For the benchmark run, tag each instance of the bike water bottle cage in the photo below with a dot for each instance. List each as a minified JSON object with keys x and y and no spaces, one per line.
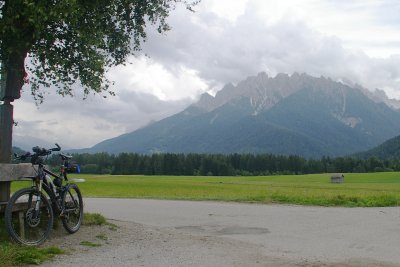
{"x":38,"y":204}
{"x":58,"y":182}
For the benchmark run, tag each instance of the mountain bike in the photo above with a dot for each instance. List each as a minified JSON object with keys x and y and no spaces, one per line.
{"x":30,"y":212}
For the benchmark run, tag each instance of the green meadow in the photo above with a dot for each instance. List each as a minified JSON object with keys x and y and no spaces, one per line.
{"x":358,"y":190}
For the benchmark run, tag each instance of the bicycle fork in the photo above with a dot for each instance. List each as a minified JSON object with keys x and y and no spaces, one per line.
{"x":39,"y":185}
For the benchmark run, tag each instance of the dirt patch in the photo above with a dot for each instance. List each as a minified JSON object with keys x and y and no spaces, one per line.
{"x":134,"y":244}
{"x":95,"y":234}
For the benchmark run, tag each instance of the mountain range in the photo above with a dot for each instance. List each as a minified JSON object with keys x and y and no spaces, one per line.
{"x":287,"y":114}
{"x":390,"y":149}
{"x":26,"y":142}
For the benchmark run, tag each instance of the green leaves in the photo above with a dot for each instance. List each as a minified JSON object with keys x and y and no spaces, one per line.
{"x":72,"y":41}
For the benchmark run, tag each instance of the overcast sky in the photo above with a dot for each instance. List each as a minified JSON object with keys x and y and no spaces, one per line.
{"x":226,"y":41}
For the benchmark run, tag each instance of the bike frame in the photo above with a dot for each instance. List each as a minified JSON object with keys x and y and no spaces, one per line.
{"x":51,"y":194}
{"x":42,"y":183}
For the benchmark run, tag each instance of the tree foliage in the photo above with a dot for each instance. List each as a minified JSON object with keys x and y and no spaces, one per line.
{"x":224,"y":165}
{"x":75,"y":40}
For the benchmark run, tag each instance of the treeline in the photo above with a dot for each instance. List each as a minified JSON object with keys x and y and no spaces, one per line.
{"x":223,"y":165}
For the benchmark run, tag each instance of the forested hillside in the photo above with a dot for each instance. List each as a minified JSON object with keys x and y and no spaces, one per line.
{"x":223,"y":165}
{"x":388,"y":150}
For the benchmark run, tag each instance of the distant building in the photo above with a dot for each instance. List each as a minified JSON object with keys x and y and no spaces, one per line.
{"x":337,"y":178}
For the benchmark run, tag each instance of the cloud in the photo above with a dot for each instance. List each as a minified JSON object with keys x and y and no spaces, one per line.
{"x":166,"y":81}
{"x":277,"y":37}
{"x":222,"y":42}
{"x":74,"y":122}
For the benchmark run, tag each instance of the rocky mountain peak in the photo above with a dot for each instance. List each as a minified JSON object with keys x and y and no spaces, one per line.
{"x":206,"y":101}
{"x":263,"y":92}
{"x":379,"y":96}
{"x":286,"y":114}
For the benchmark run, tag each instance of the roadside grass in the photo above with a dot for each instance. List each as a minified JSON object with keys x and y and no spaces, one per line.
{"x":358,"y":190}
{"x":97,"y":219}
{"x":89,"y":244}
{"x":12,"y":254}
{"x":15,"y":255}
{"x":93,"y":219}
{"x":102,"y":236}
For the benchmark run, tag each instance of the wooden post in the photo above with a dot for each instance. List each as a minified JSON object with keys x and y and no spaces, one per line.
{"x":21,"y":220}
{"x":13,"y":172}
{"x":6,"y":124}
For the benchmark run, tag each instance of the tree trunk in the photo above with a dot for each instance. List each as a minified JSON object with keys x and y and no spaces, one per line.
{"x":15,"y":43}
{"x":14,"y":74}
{"x":14,"y":81}
{"x":6,"y":123}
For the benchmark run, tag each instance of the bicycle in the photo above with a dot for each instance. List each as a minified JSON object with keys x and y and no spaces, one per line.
{"x":29,"y":214}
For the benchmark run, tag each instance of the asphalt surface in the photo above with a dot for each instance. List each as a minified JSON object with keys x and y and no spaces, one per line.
{"x":297,"y":235}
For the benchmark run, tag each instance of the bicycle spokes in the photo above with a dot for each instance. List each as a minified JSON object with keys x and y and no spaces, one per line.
{"x":72,"y":211}
{"x":29,"y":213}
{"x":29,"y":217}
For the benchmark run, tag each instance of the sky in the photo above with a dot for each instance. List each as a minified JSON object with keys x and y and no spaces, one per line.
{"x":225,"y":41}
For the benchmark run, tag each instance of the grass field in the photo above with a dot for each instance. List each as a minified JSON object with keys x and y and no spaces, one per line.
{"x":359,"y":190}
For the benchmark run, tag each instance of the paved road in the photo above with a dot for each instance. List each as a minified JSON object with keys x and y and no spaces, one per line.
{"x":318,"y":234}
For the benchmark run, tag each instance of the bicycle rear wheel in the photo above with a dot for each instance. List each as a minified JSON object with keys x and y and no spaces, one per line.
{"x":29,"y":217}
{"x":72,"y":209}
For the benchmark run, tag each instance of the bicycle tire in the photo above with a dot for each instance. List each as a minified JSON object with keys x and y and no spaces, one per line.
{"x":22,"y":224}
{"x":72,"y":209}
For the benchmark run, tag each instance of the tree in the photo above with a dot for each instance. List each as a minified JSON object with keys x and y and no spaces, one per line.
{"x":69,"y":42}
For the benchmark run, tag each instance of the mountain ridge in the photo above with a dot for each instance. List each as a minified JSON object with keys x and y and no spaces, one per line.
{"x":297,"y":114}
{"x":281,"y":86}
{"x":389,"y":149}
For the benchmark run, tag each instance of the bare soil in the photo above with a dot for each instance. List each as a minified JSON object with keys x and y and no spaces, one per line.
{"x":133,"y":244}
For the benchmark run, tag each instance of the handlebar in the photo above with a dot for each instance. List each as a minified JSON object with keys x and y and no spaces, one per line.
{"x":38,"y":152}
{"x":22,"y":157}
{"x":57,"y":148}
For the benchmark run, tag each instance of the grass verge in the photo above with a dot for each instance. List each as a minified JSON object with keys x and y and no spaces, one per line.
{"x":97,"y":219}
{"x":89,"y":244}
{"x":12,"y":254}
{"x":358,"y":190}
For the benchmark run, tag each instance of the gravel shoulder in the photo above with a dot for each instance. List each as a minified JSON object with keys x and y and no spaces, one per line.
{"x":192,"y":233}
{"x":133,"y":244}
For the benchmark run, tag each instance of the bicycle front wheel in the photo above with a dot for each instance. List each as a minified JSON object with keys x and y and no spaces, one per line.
{"x":72,"y":209}
{"x":29,"y":217}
